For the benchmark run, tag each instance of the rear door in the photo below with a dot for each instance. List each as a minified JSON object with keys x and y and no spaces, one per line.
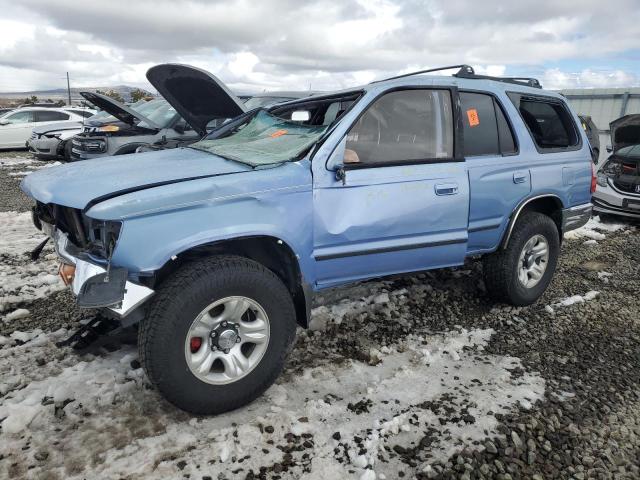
{"x":499,"y":174}
{"x":18,"y":129}
{"x":401,"y":202}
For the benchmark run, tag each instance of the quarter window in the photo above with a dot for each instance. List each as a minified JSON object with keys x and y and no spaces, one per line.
{"x":549,"y":122}
{"x":50,"y":116}
{"x":485,"y":127}
{"x":403,"y":126}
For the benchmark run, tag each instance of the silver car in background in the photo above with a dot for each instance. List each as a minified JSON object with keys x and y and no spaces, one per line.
{"x":618,"y":191}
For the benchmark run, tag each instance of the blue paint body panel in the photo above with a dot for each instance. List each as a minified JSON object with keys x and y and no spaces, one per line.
{"x":380,"y":221}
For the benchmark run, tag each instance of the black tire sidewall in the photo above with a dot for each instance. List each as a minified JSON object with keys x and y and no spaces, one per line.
{"x":167,"y":348}
{"x":530,"y":225}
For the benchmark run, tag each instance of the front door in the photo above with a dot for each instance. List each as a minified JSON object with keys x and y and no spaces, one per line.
{"x":17,"y":131}
{"x":403,"y":202}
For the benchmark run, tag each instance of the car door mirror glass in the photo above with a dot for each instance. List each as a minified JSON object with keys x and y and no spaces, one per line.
{"x":609,"y":149}
{"x":301,"y":116}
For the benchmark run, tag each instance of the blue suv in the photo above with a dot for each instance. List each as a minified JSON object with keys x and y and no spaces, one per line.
{"x":216,"y":250}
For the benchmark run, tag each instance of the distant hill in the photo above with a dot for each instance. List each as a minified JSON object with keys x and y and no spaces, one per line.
{"x":61,"y":93}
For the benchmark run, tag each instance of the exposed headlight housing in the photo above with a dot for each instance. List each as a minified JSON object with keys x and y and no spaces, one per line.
{"x":602,"y":179}
{"x":108,"y":128}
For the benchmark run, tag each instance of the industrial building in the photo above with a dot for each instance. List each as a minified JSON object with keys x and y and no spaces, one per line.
{"x":603,"y":105}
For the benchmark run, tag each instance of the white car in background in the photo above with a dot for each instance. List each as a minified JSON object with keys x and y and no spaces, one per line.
{"x":16,"y":126}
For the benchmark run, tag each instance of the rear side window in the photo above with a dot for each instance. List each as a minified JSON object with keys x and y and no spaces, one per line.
{"x":82,"y":113}
{"x":50,"y":116}
{"x":404,"y":126}
{"x":485,"y":127}
{"x":549,"y":122}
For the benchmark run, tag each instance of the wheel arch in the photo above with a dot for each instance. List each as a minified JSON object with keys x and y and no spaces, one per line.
{"x":548,"y":204}
{"x":271,"y":252}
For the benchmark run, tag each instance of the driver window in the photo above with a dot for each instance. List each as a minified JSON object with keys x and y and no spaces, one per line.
{"x":403,"y":126}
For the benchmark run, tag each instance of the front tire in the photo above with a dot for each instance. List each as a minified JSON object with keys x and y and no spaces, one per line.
{"x":521,"y":273}
{"x":217,"y":334}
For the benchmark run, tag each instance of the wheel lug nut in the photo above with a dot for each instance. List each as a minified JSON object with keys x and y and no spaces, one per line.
{"x":213,"y":334}
{"x":224,"y":324}
{"x":226,"y":350}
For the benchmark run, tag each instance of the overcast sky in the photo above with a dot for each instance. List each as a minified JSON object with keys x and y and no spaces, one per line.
{"x":318,"y":44}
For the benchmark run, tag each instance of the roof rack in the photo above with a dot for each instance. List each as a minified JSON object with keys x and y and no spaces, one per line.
{"x":466,"y":71}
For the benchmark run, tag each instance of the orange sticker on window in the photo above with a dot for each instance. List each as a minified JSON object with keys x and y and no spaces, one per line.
{"x":472,"y":116}
{"x":279,"y":133}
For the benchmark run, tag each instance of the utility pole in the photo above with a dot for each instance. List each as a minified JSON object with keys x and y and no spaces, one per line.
{"x":68,"y":89}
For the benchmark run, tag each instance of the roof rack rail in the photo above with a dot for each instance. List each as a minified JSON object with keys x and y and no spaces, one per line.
{"x":466,"y":71}
{"x":461,"y":68}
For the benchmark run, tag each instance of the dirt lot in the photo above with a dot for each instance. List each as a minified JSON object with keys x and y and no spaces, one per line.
{"x":410,"y":377}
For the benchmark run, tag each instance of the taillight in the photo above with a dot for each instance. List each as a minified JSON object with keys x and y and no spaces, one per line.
{"x":594,"y":178}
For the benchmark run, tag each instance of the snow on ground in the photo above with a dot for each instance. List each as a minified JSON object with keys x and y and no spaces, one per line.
{"x":594,"y":230}
{"x":22,"y":280}
{"x":30,"y":165}
{"x":440,"y":391}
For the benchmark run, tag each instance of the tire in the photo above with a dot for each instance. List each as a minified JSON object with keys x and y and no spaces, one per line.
{"x":502,"y":268}
{"x":163,"y":342}
{"x":66,"y":151}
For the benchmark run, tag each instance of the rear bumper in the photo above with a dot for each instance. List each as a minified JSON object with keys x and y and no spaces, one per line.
{"x":576,"y":217}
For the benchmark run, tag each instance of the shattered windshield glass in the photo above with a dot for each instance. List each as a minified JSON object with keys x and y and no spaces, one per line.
{"x":264,"y":140}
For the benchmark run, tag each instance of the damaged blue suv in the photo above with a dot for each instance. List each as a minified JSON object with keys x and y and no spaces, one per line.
{"x":216,"y":250}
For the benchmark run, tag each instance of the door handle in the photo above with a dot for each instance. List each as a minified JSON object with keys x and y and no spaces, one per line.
{"x":446,"y":189}
{"x":519,"y":177}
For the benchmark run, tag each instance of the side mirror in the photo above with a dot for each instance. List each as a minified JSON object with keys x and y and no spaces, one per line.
{"x":609,"y":149}
{"x":4,"y":121}
{"x":301,"y":116}
{"x":179,"y":127}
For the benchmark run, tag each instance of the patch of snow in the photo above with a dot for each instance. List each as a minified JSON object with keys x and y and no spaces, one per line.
{"x":109,"y":426}
{"x":19,"y":235}
{"x":17,"y":314}
{"x":604,"y":276}
{"x":593,"y":229}
{"x":572,"y":300}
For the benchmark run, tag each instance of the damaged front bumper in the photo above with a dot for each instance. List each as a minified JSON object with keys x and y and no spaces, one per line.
{"x":93,"y":285}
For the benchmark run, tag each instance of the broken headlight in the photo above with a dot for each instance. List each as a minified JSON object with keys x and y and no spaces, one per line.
{"x":103,"y":235}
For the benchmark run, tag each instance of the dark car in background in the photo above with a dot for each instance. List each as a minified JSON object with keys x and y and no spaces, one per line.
{"x":593,"y":135}
{"x":618,"y":190}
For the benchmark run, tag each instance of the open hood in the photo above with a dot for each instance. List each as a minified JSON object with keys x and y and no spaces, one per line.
{"x":117,"y":109}
{"x":625,"y":131}
{"x":198,"y":96}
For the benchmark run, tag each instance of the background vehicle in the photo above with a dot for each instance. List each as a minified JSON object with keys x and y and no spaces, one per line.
{"x":51,"y":141}
{"x":593,"y":135}
{"x":217,"y":249}
{"x":194,"y":102}
{"x":16,"y":126}
{"x":619,"y":178}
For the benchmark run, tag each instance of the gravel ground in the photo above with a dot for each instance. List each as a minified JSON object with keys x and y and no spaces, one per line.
{"x":586,"y":425}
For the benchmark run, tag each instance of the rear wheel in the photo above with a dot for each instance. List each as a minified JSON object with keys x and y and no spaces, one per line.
{"x":521,"y":273}
{"x":67,"y":151}
{"x":217,"y":334}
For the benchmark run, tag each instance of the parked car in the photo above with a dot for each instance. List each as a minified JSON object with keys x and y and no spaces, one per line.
{"x":16,"y":126}
{"x":52,"y":140}
{"x":593,"y":135}
{"x":194,"y":102}
{"x":619,"y":178}
{"x":5,"y":110}
{"x":216,"y":250}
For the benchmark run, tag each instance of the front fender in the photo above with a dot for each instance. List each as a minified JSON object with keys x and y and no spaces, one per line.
{"x":147,"y":242}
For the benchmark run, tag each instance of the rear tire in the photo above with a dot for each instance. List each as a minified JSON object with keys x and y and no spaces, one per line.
{"x":521,"y":273}
{"x":174,"y":363}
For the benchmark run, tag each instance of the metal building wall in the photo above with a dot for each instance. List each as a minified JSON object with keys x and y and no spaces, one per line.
{"x":603,"y":105}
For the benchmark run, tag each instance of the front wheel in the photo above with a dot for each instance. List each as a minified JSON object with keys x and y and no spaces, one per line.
{"x":217,"y":334}
{"x":521,"y":273}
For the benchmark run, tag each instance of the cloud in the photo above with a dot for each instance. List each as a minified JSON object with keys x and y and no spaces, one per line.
{"x":327,"y":44}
